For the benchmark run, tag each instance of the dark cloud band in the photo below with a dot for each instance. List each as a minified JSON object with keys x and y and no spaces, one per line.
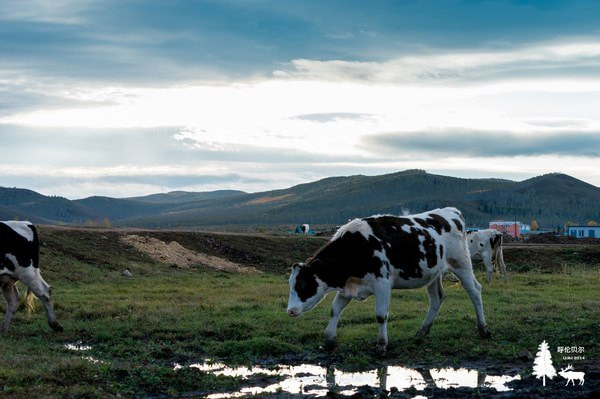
{"x":462,"y":142}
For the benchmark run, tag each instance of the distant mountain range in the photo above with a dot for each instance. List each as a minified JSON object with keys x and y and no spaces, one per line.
{"x":551,"y":199}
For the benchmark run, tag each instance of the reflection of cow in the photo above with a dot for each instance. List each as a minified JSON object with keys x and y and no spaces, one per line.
{"x":19,"y":258}
{"x":371,"y":256}
{"x":487,"y":244}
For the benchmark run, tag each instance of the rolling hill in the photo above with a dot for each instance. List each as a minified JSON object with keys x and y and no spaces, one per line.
{"x":551,"y":199}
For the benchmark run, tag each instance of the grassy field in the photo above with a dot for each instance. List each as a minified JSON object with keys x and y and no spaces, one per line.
{"x":139,"y":327}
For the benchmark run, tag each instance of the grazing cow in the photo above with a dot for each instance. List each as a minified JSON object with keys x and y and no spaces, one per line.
{"x":371,"y":256}
{"x":19,"y":261}
{"x":487,"y":244}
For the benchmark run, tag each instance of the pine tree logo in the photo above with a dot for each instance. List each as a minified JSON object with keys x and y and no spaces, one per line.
{"x":542,"y":365}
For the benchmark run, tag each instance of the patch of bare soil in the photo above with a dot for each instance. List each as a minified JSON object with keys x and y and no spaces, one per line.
{"x":551,"y":238}
{"x":174,"y":253}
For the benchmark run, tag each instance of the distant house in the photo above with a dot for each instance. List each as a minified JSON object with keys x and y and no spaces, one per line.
{"x":583,"y":231}
{"x":509,"y":227}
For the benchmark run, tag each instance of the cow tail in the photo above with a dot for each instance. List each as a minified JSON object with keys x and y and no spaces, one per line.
{"x":29,"y":302}
{"x":496,"y":250}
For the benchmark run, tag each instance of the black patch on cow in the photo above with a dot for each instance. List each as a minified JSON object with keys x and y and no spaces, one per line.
{"x":438,"y":222}
{"x":374,"y":242}
{"x":458,"y":224}
{"x":460,"y":215}
{"x":306,"y":284}
{"x":441,"y":251}
{"x":350,"y":255}
{"x":430,"y":253}
{"x":26,"y":252}
{"x":401,"y":247}
{"x":440,"y":293}
{"x":381,"y":319}
{"x":481,"y":244}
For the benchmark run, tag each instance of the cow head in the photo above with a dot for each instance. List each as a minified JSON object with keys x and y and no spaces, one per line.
{"x":306,"y":288}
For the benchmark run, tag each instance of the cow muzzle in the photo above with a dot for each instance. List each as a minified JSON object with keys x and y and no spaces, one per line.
{"x":294,"y":312}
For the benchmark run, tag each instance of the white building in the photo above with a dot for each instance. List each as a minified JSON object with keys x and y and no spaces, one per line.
{"x":584,"y":231}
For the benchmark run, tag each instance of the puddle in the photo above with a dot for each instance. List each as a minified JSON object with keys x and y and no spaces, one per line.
{"x":317,"y":380}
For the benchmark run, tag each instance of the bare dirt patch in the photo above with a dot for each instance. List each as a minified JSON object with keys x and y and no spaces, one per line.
{"x":173,"y":253}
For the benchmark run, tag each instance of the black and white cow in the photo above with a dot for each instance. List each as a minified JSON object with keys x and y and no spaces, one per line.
{"x":487,"y":244}
{"x":19,"y":261}
{"x":371,"y":256}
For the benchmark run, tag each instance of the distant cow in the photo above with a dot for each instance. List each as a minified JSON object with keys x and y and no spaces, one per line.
{"x":371,"y":256}
{"x":19,"y":261}
{"x":487,"y":244}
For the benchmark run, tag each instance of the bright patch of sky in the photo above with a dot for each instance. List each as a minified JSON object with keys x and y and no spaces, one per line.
{"x":129,"y":98}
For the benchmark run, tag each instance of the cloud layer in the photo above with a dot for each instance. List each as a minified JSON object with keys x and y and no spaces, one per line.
{"x":127,"y":98}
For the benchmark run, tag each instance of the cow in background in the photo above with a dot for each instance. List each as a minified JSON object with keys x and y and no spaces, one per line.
{"x":374,"y":255}
{"x":19,"y":261}
{"x":487,"y":244}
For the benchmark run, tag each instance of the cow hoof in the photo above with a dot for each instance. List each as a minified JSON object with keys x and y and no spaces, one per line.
{"x":423,"y":331}
{"x":381,"y":348}
{"x":329,"y":345}
{"x":484,"y":332}
{"x":56,"y":327}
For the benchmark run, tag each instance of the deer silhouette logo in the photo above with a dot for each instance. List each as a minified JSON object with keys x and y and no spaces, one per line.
{"x":571,"y":375}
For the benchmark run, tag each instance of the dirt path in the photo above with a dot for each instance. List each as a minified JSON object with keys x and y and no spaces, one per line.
{"x":174,"y":253}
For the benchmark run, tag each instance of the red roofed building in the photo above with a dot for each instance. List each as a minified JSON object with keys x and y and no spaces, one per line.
{"x":507,"y":227}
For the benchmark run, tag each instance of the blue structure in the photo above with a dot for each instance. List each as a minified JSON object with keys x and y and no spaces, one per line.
{"x":584,"y":231}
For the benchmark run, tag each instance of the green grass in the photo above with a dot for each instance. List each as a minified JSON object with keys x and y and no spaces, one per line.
{"x":139,"y":328}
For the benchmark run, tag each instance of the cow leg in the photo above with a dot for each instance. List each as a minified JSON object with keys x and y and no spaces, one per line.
{"x":337,"y":306}
{"x":436,"y":296}
{"x":465,"y":274}
{"x":382,"y":305}
{"x":489,"y":267}
{"x":42,"y":290}
{"x":9,"y":290}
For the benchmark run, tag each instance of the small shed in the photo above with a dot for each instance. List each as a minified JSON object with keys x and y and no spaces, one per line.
{"x":584,"y":231}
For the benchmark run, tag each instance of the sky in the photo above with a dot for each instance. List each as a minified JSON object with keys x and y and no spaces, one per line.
{"x":125,"y":98}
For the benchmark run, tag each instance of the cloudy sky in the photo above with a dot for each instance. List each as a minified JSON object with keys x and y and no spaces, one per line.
{"x":125,"y":98}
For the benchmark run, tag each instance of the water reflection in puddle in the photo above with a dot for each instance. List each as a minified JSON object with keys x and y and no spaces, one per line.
{"x":318,"y":380}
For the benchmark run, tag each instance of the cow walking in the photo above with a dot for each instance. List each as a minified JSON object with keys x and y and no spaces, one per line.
{"x":19,"y":261}
{"x":373,"y":255}
{"x":487,"y":244}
